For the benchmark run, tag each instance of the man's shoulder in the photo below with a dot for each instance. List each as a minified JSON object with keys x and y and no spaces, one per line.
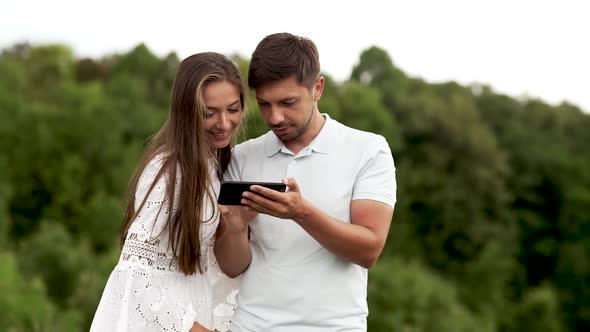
{"x":253,"y":144}
{"x":358,"y":137}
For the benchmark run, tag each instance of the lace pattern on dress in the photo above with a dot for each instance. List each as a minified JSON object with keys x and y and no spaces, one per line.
{"x":147,"y":254}
{"x":225,"y":291}
{"x":153,"y":300}
{"x":146,"y":291}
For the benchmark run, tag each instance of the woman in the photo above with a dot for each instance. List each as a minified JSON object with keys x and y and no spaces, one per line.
{"x":162,"y":282}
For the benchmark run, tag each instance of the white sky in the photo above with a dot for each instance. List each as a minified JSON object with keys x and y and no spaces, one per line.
{"x":519,"y":47}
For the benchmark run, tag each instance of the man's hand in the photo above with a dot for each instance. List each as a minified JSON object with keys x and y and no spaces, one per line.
{"x":287,"y":205}
{"x":360,"y":241}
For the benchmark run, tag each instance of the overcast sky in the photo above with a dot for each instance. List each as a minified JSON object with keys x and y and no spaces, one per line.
{"x":519,"y":47}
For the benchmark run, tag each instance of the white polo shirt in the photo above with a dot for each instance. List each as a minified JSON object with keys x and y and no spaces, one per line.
{"x":294,"y":284}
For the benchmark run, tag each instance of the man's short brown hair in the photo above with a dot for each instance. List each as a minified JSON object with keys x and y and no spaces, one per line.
{"x":281,"y":56}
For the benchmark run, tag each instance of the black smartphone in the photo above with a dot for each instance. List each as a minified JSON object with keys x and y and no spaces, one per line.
{"x":230,"y":192}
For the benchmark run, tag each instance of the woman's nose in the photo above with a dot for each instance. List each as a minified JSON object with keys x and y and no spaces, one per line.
{"x":222,"y":122}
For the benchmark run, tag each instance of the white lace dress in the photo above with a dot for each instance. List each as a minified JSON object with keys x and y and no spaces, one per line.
{"x":146,"y":291}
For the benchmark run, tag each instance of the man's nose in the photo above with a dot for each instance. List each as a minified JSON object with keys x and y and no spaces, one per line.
{"x":276,"y":116}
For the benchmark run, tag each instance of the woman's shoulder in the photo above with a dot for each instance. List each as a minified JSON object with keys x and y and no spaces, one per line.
{"x":152,"y":168}
{"x":155,"y":163}
{"x":150,"y":176}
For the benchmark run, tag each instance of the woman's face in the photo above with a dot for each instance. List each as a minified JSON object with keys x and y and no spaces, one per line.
{"x":223,"y":113}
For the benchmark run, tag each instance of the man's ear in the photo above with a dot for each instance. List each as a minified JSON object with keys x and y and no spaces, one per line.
{"x":318,"y":88}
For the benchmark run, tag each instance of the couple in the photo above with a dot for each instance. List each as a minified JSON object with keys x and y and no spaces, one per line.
{"x":302,"y":256}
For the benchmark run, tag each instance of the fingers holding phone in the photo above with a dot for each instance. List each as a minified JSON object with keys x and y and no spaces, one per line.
{"x":235,"y":219}
{"x":286,"y":205}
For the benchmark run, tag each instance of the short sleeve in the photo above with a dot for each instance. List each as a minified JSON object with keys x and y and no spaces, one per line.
{"x":232,"y":173}
{"x":376,"y":178}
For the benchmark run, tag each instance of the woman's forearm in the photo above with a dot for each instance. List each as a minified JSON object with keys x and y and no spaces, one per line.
{"x":232,"y":250}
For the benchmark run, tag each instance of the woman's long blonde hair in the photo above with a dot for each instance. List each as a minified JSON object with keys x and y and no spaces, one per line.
{"x":182,"y":144}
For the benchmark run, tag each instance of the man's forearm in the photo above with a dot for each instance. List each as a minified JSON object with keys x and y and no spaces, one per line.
{"x":355,"y":243}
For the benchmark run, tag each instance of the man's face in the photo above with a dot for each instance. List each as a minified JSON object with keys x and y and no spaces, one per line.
{"x":287,"y":107}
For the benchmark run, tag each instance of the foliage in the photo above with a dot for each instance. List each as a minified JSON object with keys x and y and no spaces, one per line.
{"x":491,"y":229}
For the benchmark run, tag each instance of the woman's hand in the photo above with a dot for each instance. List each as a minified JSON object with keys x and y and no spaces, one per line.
{"x":199,"y":328}
{"x":235,"y":219}
{"x":232,"y":247}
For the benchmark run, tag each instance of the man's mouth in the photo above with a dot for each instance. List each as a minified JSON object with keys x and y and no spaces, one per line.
{"x":280,"y":130}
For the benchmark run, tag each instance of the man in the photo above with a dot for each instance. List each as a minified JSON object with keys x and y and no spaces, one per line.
{"x":305,"y":256}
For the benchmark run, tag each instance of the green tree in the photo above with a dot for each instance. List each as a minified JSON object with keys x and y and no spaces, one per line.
{"x":24,"y":304}
{"x":361,"y":106}
{"x":408,"y":297}
{"x":538,"y":311}
{"x":548,"y":152}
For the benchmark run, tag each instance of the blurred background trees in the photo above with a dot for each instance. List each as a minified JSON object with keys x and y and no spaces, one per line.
{"x":491,"y":230}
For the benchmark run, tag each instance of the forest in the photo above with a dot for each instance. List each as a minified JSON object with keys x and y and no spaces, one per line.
{"x":491,"y":230}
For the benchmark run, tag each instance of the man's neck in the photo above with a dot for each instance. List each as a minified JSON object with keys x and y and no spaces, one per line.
{"x":315,"y":126}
